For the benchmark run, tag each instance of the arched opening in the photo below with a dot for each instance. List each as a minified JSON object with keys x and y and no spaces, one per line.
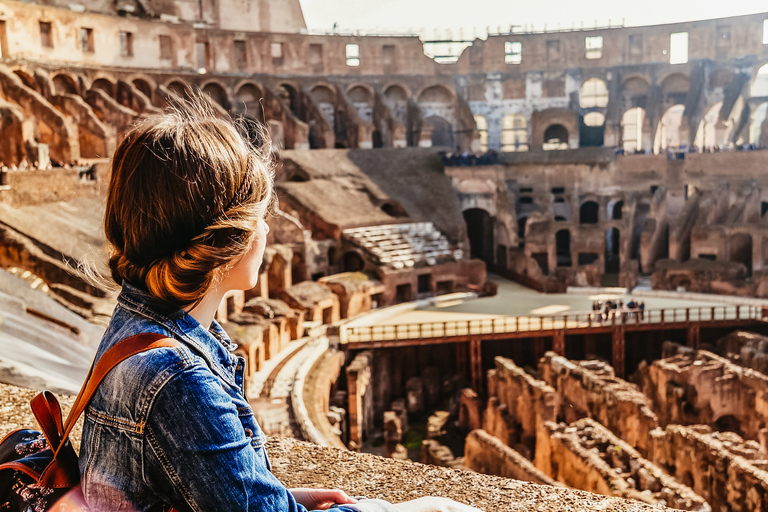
{"x":396,"y":99}
{"x":614,"y":209}
{"x":675,"y":89}
{"x":555,"y":138}
{"x":632,"y":130}
{"x":276,"y":275}
{"x":217,"y":94}
{"x":561,"y":209}
{"x":514,"y":133}
{"x":713,"y":132}
{"x":741,"y":250}
{"x":481,"y":125}
{"x":480,"y":232}
{"x":563,"y":248}
{"x":288,"y":96}
{"x":325,"y":101}
{"x":759,"y":87}
{"x":442,"y":132}
{"x":592,"y":130}
{"x":588,"y":212}
{"x":672,"y":132}
{"x":179,"y":88}
{"x":521,"y":223}
{"x":248,"y":101}
{"x":143,"y":87}
{"x":352,"y":262}
{"x":612,"y":251}
{"x":594,"y":93}
{"x":436,"y":96}
{"x":362,"y":100}
{"x":64,"y":84}
{"x":28,"y":80}
{"x":105,"y":85}
{"x":758,"y":126}
{"x":642,"y":210}
{"x":729,"y":423}
{"x":635,"y":92}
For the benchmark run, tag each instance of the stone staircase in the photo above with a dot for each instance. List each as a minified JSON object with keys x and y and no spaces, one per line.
{"x":404,"y":245}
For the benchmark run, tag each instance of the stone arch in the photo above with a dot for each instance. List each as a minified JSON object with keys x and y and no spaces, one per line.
{"x":758,"y":126}
{"x":436,"y":94}
{"x":64,"y":83}
{"x":28,"y":80}
{"x":614,"y":209}
{"x":561,"y":209}
{"x":563,"y":248}
{"x":759,"y":87}
{"x":217,"y":92}
{"x":105,"y":85}
{"x":361,"y":97}
{"x":555,"y":137}
{"x":514,"y":133}
{"x":396,"y":99}
{"x":289,"y":95}
{"x":178,"y":87}
{"x":324,"y":98}
{"x":481,"y":125}
{"x":248,"y":98}
{"x":480,"y":231}
{"x":740,"y":250}
{"x":593,"y":93}
{"x":144,"y":86}
{"x":351,"y":261}
{"x":632,"y":122}
{"x":592,"y":130}
{"x":634,"y":90}
{"x":442,"y":132}
{"x":713,"y":132}
{"x":672,"y":131}
{"x":589,"y":212}
{"x":674,"y":89}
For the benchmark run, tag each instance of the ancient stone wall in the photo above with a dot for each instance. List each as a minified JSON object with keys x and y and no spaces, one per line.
{"x":587,"y":456}
{"x":726,"y":471}
{"x":590,"y":389}
{"x":528,"y":403}
{"x":700,"y":387}
{"x":485,"y":453}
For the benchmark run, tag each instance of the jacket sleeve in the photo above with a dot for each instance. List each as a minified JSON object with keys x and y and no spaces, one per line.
{"x":196,"y":451}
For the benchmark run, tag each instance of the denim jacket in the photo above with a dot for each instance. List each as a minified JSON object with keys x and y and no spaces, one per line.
{"x":171,"y":427}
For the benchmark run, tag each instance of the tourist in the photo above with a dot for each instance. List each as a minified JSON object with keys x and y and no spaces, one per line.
{"x":171,"y":427}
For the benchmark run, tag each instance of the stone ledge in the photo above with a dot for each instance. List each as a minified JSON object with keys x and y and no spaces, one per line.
{"x":300,"y":464}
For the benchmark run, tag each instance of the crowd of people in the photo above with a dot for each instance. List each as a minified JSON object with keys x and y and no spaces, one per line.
{"x":490,"y":157}
{"x":604,"y":310}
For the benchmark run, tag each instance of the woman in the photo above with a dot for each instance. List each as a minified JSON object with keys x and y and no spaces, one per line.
{"x":171,"y":427}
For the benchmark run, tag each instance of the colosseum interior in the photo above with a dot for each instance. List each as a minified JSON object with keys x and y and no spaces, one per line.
{"x":545,"y":261}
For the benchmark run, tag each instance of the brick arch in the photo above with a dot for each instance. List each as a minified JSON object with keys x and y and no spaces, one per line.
{"x":151,"y":84}
{"x":451,"y":93}
{"x":759,"y":85}
{"x":326,"y":85}
{"x":362,"y":85}
{"x":27,"y":78}
{"x":390,"y":85}
{"x":218,"y":91}
{"x":248,"y":98}
{"x":105,"y":85}
{"x":65,"y":83}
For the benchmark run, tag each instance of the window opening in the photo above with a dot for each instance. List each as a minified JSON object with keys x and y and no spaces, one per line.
{"x":482,"y":130}
{"x":276,"y":50}
{"x":594,"y":93}
{"x":126,"y":44}
{"x":513,"y":52}
{"x":86,"y":40}
{"x":594,"y":47}
{"x":594,"y":119}
{"x":678,"y":48}
{"x":201,"y":57}
{"x":241,"y":55}
{"x":46,"y":40}
{"x":353,"y":54}
{"x":166,"y":47}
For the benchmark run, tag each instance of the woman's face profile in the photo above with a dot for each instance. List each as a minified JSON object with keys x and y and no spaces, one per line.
{"x":245,"y":274}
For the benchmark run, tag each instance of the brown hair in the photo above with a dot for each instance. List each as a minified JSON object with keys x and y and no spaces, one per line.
{"x":186,"y":194}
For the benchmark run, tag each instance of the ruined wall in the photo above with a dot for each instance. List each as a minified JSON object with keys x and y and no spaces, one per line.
{"x":585,"y":455}
{"x":716,"y":466}
{"x":484,"y":453}
{"x":700,"y":387}
{"x":590,"y":389}
{"x":529,"y":403}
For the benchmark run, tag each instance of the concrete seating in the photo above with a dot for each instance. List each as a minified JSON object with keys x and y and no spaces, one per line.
{"x":404,"y":245}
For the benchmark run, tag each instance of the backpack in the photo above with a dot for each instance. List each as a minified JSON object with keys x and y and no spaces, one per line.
{"x":39,"y":471}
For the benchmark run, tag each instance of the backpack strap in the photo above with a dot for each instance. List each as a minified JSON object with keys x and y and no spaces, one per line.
{"x":119,"y":352}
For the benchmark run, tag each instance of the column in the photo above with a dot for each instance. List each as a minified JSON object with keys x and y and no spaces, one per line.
{"x":476,"y":364}
{"x":617,"y":350}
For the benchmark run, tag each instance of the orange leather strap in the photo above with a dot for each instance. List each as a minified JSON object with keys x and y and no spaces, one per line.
{"x":121,"y":351}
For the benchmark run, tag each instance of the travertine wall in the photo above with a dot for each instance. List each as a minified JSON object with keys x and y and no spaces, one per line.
{"x":700,"y":387}
{"x":484,"y":453}
{"x":585,"y":455}
{"x":729,"y":473}
{"x":590,"y":389}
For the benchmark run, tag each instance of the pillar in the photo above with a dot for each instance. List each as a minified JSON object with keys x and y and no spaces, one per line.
{"x":358,"y":378}
{"x":461,"y":358}
{"x":618,"y":350}
{"x":693,"y":336}
{"x":558,"y":342}
{"x":589,"y":345}
{"x":539,"y":348}
{"x":476,"y":363}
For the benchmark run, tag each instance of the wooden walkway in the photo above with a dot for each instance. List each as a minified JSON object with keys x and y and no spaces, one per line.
{"x":557,"y":327}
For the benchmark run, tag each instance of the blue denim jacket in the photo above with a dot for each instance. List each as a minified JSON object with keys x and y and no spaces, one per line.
{"x":171,"y":426}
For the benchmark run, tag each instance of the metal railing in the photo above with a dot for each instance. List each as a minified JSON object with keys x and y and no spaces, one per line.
{"x":581,"y":321}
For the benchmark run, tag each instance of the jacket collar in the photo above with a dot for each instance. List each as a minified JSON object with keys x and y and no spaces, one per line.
{"x":212,"y":344}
